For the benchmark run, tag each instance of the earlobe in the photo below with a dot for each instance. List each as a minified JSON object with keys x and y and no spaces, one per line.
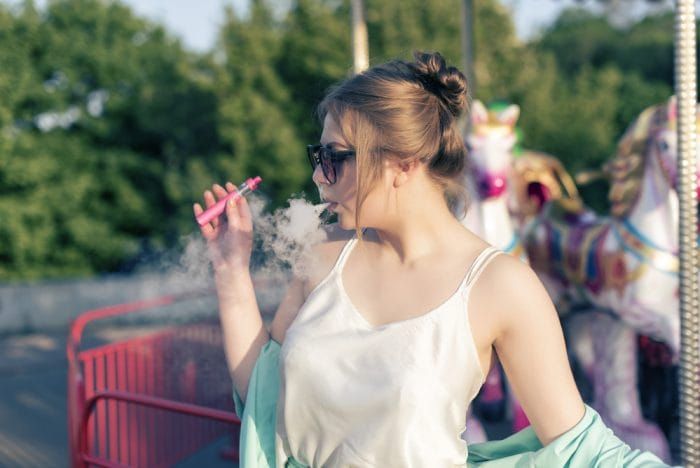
{"x":403,"y":169}
{"x":400,"y":178}
{"x":400,"y":171}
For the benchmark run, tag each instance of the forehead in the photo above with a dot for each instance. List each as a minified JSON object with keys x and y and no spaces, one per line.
{"x":331,"y":132}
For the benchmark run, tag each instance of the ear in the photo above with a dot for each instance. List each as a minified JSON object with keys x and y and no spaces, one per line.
{"x":509,"y":115}
{"x":479,"y":116}
{"x":403,"y":170}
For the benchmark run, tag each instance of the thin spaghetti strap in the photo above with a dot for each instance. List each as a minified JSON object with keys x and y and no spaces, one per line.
{"x":480,"y":263}
{"x":342,"y":258}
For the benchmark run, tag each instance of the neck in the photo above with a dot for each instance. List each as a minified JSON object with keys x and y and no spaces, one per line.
{"x":656,"y":212}
{"x":415,"y":235}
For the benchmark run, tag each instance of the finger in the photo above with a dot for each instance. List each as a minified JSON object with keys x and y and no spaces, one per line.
{"x":244,"y":214}
{"x":209,"y":201}
{"x":232,"y":216}
{"x":230,"y":187}
{"x":219,"y":191}
{"x":197,"y":208}
{"x":207,"y":229}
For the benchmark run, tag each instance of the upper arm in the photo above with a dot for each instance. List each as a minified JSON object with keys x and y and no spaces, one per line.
{"x":287,"y":310}
{"x":530,"y":345}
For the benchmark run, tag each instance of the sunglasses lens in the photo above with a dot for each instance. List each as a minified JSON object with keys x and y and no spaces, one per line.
{"x":327,"y":165}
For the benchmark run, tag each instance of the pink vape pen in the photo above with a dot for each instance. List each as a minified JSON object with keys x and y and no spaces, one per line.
{"x":216,"y":210}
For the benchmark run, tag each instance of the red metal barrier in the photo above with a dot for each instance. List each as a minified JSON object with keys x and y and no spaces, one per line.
{"x":151,"y":400}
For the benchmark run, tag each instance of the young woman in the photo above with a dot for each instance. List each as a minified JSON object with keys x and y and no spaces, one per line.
{"x":388,"y":339}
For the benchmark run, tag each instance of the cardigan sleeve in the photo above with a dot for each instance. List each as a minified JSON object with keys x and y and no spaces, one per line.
{"x":589,"y":443}
{"x":258,"y":414}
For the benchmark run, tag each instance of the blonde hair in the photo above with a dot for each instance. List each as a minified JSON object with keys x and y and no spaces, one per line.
{"x":406,"y":111}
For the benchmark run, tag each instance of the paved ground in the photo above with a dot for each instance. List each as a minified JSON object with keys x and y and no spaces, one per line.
{"x":33,"y":401}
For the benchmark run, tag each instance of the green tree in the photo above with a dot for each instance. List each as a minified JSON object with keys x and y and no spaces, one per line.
{"x":315,"y":53}
{"x":96,"y":106}
{"x":396,"y":28}
{"x":109,"y":129}
{"x":253,"y":123}
{"x":584,"y":81}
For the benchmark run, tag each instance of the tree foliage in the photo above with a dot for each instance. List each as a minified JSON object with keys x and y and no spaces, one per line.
{"x":586,"y":81}
{"x":110,"y":128}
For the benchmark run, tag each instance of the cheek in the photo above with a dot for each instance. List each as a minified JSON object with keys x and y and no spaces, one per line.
{"x":377,"y":200}
{"x":347,"y":185}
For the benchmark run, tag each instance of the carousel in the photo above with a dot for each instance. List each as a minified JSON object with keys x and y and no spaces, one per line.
{"x":625,"y":283}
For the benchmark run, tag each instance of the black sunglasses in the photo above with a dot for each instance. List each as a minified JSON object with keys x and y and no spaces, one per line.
{"x":329,"y":160}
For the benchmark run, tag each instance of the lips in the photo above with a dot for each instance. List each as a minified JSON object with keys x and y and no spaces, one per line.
{"x":331,"y":204}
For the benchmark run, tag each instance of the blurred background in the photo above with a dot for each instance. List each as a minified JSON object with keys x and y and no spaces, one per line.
{"x":115,"y":116}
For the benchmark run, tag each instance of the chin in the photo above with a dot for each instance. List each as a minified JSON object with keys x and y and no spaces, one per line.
{"x":346,"y":222}
{"x":346,"y":225}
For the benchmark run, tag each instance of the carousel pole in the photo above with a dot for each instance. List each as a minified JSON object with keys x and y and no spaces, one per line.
{"x":686,"y":92}
{"x":360,"y":48}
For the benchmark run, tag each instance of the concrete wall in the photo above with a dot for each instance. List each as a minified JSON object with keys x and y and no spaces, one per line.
{"x":50,"y":306}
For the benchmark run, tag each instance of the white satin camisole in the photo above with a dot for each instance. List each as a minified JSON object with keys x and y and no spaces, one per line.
{"x":395,"y":395}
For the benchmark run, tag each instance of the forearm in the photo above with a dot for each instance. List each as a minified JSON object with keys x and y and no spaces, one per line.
{"x":244,"y":333}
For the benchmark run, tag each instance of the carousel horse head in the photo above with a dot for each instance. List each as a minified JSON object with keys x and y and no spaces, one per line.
{"x":490,"y":142}
{"x":649,"y":143}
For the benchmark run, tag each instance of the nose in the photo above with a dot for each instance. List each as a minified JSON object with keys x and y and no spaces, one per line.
{"x":318,"y":176}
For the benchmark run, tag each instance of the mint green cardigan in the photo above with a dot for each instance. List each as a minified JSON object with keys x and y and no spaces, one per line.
{"x":588,"y":444}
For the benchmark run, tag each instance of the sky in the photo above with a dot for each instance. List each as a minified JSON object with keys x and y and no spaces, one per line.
{"x":197,"y":21}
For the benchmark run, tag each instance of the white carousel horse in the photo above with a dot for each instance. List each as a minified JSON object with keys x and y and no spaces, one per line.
{"x":490,"y":141}
{"x":625,"y":266}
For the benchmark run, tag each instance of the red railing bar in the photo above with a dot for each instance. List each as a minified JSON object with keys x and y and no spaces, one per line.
{"x":111,"y":348}
{"x":79,"y":323}
{"x":90,"y":460}
{"x":101,"y":431}
{"x":112,"y":409}
{"x":96,"y":360}
{"x":122,"y":408}
{"x":152,"y":402}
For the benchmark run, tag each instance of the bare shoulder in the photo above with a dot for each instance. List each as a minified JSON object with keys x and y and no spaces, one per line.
{"x":509,"y":292}
{"x":324,"y":255}
{"x":316,"y":267}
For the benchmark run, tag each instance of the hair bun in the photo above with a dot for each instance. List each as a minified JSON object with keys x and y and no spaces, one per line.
{"x":448,"y":83}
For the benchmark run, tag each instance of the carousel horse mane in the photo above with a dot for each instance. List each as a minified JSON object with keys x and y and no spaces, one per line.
{"x":626,"y":168}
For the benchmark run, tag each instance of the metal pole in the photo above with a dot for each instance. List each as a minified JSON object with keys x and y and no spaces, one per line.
{"x":468,"y":44}
{"x":360,"y":48}
{"x":686,"y":92}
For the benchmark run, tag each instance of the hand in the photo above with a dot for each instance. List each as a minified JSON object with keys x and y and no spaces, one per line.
{"x":230,"y":241}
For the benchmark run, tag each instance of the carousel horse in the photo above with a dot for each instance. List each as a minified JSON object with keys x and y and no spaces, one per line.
{"x":625,"y":267}
{"x":490,"y":141}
